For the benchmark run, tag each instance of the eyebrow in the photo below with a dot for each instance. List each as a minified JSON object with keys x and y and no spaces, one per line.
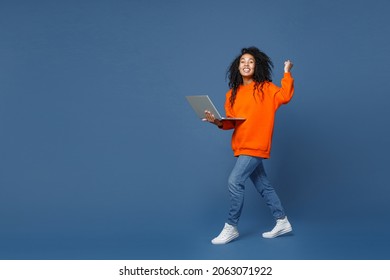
{"x":247,"y":59}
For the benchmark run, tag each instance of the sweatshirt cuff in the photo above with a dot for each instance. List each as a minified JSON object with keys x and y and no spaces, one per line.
{"x":287,"y":74}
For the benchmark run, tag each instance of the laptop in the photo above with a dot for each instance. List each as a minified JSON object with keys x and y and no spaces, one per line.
{"x":201,"y":103}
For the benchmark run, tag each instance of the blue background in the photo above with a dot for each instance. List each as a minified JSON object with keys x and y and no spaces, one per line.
{"x":101,"y":157}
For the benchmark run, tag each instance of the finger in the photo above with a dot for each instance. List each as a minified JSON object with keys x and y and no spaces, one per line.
{"x":209,"y":116}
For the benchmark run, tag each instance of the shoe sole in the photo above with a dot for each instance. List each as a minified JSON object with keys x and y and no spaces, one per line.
{"x":279,"y":233}
{"x":226,"y":241}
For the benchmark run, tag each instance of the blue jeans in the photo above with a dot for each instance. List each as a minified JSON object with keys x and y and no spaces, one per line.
{"x":251,"y":167}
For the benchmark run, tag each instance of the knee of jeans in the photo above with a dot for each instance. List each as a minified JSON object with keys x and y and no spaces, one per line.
{"x":265,"y":189}
{"x":234,"y":184}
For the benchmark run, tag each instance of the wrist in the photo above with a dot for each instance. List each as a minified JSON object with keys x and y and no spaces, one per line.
{"x":218,"y":123}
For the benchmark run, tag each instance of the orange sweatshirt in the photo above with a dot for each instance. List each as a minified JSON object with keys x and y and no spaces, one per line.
{"x":253,"y":137}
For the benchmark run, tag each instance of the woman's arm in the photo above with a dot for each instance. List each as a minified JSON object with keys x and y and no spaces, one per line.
{"x":284,"y":94}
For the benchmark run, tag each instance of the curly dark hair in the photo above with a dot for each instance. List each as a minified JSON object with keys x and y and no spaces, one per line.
{"x":263,"y":71}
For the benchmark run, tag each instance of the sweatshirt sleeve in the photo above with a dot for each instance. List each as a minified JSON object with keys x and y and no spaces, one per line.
{"x":286,"y":92}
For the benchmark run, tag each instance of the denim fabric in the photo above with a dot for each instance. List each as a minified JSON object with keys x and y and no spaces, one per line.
{"x":252,"y":168}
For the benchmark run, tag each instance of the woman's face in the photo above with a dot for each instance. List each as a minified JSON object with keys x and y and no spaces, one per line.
{"x":247,"y":65}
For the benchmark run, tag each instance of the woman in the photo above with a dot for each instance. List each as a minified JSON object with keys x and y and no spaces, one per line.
{"x":253,"y":96}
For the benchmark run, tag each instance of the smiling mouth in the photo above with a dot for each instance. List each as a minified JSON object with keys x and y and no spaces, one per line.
{"x":246,"y":70}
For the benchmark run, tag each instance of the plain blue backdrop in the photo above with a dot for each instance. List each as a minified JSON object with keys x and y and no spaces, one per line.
{"x":101,"y":157}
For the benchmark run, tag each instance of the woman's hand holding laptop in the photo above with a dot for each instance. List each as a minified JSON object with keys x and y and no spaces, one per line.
{"x":211,"y":118}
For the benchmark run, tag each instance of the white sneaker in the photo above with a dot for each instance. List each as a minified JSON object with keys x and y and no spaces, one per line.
{"x":282,"y":226}
{"x":228,"y":233}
